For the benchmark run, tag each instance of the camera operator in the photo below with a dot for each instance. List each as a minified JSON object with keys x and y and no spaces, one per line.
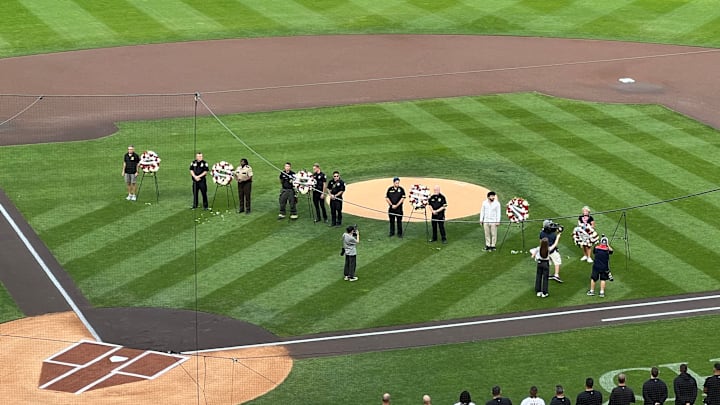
{"x":350,"y":239}
{"x":552,"y":232}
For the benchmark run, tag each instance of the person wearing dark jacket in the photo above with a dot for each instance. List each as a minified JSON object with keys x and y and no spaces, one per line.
{"x":590,"y":396}
{"x":560,"y":398}
{"x":622,"y":394}
{"x":655,"y":391}
{"x":685,"y":387}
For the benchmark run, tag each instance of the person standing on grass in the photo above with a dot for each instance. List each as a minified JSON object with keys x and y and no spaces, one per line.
{"x":601,"y":266}
{"x":552,"y":232}
{"x":542,"y":273}
{"x":130,"y":172}
{"x":319,"y":193}
{"x":244,"y":175}
{"x":654,"y":391}
{"x":622,"y":394}
{"x":350,"y":239}
{"x":533,"y":399}
{"x":287,"y":192}
{"x":336,"y":192}
{"x":395,"y":197}
{"x":711,"y":388}
{"x":685,"y":387}
{"x":465,"y":399}
{"x":586,"y":220}
{"x":560,"y":398}
{"x":590,"y":396}
{"x":438,"y":204}
{"x":497,"y":398}
{"x":490,"y":219}
{"x":198,"y":172}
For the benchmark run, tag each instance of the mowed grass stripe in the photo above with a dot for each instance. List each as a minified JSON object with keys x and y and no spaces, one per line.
{"x":291,"y":14}
{"x":18,"y":20}
{"x":61,"y":214}
{"x":176,"y":16}
{"x":680,"y":18}
{"x":231,"y":14}
{"x":125,"y":19}
{"x":70,"y":21}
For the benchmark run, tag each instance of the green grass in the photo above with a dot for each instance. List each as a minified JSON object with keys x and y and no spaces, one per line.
{"x":515,"y":364}
{"x":559,"y":154}
{"x":37,"y":26}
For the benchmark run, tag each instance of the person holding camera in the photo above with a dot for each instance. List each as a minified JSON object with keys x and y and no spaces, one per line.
{"x":350,"y":239}
{"x":552,"y":232}
{"x":438,"y":204}
{"x":584,"y":221}
{"x":395,"y":197}
{"x":601,"y":266}
{"x":542,"y":256}
{"x":490,"y":219}
{"x":287,"y":192}
{"x":336,"y":188}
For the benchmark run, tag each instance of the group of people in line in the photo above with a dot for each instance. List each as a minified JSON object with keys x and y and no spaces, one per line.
{"x":654,"y":392}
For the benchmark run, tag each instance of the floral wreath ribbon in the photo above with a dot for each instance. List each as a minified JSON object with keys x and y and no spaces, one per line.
{"x":419,"y":196}
{"x":585,"y":235}
{"x":517,"y":209}
{"x":222,"y":173}
{"x":149,"y":162}
{"x":304,"y":182}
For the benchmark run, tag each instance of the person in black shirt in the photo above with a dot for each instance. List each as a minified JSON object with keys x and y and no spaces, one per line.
{"x":685,"y":387}
{"x":601,"y":266}
{"x":655,"y":391}
{"x":337,"y":189}
{"x":395,"y":197}
{"x":198,"y":172}
{"x":712,"y":387}
{"x":559,"y":398}
{"x":287,"y":192}
{"x":130,"y":172}
{"x":319,"y":193}
{"x":438,"y":203}
{"x":497,"y":398}
{"x":622,"y":394}
{"x":590,"y":396}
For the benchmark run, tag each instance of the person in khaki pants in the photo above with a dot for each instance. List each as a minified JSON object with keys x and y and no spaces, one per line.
{"x":490,"y":219}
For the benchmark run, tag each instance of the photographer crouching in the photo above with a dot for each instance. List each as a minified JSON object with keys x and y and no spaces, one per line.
{"x":350,"y":239}
{"x":552,"y":232}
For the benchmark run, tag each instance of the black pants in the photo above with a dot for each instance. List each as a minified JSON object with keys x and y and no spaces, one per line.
{"x":350,"y":264}
{"x":541,"y":276}
{"x":287,"y":195}
{"x":244,"y":190}
{"x":320,"y":205}
{"x":200,"y":187}
{"x":336,"y":212}
{"x":396,"y":217}
{"x":438,"y":221}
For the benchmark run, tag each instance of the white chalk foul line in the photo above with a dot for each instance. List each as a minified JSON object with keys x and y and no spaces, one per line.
{"x":659,"y":314}
{"x":48,"y":273}
{"x":461,"y":324}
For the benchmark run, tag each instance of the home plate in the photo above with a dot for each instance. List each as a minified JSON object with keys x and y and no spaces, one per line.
{"x":626,"y":80}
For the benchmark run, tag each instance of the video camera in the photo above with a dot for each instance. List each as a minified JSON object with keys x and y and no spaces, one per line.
{"x":355,"y":230}
{"x":550,"y":226}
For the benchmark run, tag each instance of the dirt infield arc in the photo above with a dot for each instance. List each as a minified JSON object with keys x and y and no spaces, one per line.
{"x":298,"y":72}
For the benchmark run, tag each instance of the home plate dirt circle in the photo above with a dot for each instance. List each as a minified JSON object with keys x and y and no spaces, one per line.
{"x":32,"y":344}
{"x":367,"y":198}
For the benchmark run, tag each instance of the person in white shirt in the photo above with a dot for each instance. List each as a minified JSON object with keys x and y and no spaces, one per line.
{"x":533,"y":398}
{"x":490,"y":219}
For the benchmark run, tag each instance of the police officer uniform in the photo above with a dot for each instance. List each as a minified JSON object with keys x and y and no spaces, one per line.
{"x":337,"y":189}
{"x":395,"y":195}
{"x":244,"y":175}
{"x":200,"y":185}
{"x":287,"y":194}
{"x":437,"y":201}
{"x":320,"y":180}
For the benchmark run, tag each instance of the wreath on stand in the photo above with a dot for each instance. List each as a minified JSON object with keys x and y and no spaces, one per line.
{"x":304,"y":182}
{"x":585,"y":235}
{"x":517,"y":210}
{"x":419,"y":196}
{"x":149,"y":162}
{"x":222,"y":173}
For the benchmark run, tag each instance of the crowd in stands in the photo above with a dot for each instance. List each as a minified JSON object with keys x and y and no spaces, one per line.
{"x":654,"y":392}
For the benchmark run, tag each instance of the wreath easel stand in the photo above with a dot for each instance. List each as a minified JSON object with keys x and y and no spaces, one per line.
{"x":157,"y":188}
{"x":522,"y":233}
{"x":228,"y":194}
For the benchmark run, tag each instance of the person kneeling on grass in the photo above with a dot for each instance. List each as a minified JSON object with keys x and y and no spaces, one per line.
{"x":601,"y":266}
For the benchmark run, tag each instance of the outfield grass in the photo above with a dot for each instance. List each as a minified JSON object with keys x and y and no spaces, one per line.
{"x":559,"y":154}
{"x":37,"y":26}
{"x":515,"y":364}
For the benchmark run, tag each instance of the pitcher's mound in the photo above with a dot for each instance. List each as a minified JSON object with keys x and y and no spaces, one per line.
{"x":367,"y":198}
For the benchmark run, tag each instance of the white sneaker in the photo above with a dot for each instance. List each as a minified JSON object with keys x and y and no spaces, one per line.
{"x":544,"y":295}
{"x":582,"y":259}
{"x":539,"y":293}
{"x":590,"y":260}
{"x":128,"y":197}
{"x":133,"y":197}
